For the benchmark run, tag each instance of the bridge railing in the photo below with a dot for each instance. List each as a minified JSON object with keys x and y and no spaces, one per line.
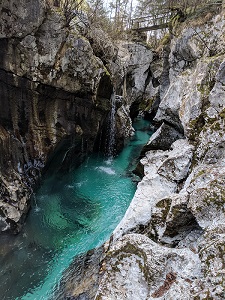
{"x":159,"y":21}
{"x":148,"y":21}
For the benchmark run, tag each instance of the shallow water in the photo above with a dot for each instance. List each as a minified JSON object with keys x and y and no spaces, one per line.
{"x":70,"y":215}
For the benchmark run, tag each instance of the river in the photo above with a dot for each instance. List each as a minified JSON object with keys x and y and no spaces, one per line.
{"x":70,"y":214}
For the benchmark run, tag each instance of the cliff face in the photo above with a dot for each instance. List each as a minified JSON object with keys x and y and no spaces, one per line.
{"x":54,"y":94}
{"x":55,"y":97}
{"x":56,"y":84}
{"x":170,"y":243}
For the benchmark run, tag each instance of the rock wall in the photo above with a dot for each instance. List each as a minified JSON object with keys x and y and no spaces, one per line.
{"x":54,"y":95}
{"x":133,"y":77}
{"x":56,"y":84}
{"x":170,"y":243}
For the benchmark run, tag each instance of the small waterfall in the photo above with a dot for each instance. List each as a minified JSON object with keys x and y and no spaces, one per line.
{"x":112,"y":127}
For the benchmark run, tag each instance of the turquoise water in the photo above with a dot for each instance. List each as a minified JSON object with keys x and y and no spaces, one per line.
{"x":70,"y":214}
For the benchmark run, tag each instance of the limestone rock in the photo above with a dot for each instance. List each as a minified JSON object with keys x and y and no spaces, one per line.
{"x":55,"y":56}
{"x":137,"y":268}
{"x":170,"y":105}
{"x":206,"y":189}
{"x":212,"y":256}
{"x":160,"y":181}
{"x":186,"y":99}
{"x":162,"y":139}
{"x":20,"y":17}
{"x":13,"y":188}
{"x":81,"y":282}
{"x":194,"y":77}
{"x":55,"y":96}
{"x":135,"y":75}
{"x":180,"y":201}
{"x":173,"y":223}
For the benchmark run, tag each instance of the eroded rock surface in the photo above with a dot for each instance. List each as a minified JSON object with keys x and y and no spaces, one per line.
{"x":138,"y":268}
{"x":163,"y":171}
{"x":56,"y":88}
{"x":55,"y":97}
{"x":170,"y":243}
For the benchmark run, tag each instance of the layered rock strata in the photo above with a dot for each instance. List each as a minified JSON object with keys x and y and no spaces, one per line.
{"x":55,"y":97}
{"x":57,"y":83}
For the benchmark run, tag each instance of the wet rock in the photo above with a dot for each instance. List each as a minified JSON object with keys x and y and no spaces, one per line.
{"x":81,"y":279}
{"x":54,"y":100}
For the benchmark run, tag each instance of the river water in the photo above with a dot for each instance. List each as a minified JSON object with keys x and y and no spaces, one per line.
{"x":70,"y":214}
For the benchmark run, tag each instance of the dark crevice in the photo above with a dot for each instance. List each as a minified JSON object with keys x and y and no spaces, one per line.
{"x":176,"y":230}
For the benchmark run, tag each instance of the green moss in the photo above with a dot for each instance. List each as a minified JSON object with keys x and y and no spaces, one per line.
{"x":146,"y":104}
{"x":165,"y":40}
{"x":200,"y":173}
{"x":210,"y":120}
{"x":174,"y":22}
{"x":204,"y":89}
{"x":196,"y":126}
{"x":216,"y":126}
{"x":164,"y":205}
{"x":127,"y":251}
{"x":149,"y":104}
{"x":214,"y":194}
{"x":222,"y":114}
{"x":106,"y":71}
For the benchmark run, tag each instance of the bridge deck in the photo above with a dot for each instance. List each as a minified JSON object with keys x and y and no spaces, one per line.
{"x":152,"y":27}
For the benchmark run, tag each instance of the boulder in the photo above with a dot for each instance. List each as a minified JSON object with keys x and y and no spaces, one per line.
{"x":163,"y":170}
{"x":137,"y":268}
{"x":162,"y":139}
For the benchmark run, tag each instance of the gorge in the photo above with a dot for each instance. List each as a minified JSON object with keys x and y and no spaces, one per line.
{"x":63,"y":91}
{"x":69,"y":216}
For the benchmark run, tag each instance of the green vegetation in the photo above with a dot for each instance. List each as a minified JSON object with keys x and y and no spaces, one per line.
{"x":120,"y":18}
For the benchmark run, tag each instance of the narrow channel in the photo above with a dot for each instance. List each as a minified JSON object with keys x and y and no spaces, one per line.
{"x":69,"y":215}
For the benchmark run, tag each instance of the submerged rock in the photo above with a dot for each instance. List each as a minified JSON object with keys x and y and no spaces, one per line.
{"x":81,"y":279}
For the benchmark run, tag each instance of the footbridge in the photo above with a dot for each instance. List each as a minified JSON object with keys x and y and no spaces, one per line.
{"x":148,"y":23}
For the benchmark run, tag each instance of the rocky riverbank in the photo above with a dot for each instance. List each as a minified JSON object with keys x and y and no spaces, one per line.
{"x":56,"y":84}
{"x":170,"y":243}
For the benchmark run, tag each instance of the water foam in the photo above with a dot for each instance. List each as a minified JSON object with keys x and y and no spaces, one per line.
{"x":106,"y":170}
